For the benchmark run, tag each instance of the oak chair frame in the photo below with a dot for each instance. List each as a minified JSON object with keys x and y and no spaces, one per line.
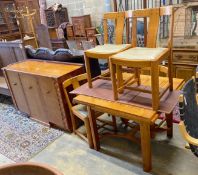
{"x":75,"y":83}
{"x":116,"y":64}
{"x":119,"y":18}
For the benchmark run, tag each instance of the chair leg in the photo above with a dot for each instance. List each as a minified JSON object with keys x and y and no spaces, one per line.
{"x":137,"y":76}
{"x":155,"y":86}
{"x":119,"y":77}
{"x":113,"y":79}
{"x":87,"y":65}
{"x":73,"y":119}
{"x":170,"y":70}
{"x":88,"y":131}
{"x":114,"y":124}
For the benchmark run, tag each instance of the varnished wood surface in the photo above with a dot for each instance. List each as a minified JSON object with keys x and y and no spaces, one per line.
{"x":145,"y":117}
{"x":126,"y":111}
{"x":102,"y":89}
{"x":36,"y":89}
{"x":43,"y":68}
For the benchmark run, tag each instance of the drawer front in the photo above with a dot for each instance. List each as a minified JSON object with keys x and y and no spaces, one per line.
{"x":17,"y":91}
{"x":79,"y":29}
{"x":184,"y":72}
{"x":70,"y":32}
{"x":190,"y":57}
{"x":52,"y":101}
{"x":90,"y":32}
{"x":34,"y":97}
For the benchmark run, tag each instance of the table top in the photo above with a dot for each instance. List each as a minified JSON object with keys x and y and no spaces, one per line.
{"x":87,"y":97}
{"x":118,"y":109}
{"x":43,"y":68}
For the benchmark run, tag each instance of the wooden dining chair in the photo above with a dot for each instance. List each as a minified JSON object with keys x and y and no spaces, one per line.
{"x":80,"y":111}
{"x":189,"y":115}
{"x":107,"y":50}
{"x":149,"y":56}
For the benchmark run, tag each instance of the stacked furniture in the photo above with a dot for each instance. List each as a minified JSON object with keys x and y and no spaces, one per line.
{"x":81,"y":30}
{"x":8,"y":26}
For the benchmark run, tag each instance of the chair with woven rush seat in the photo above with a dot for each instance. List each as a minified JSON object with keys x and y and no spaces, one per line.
{"x":107,"y":50}
{"x":144,"y":57}
{"x":189,"y":115}
{"x":80,"y":111}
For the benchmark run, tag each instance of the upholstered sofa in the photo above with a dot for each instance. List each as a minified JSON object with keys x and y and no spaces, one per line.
{"x":62,"y":55}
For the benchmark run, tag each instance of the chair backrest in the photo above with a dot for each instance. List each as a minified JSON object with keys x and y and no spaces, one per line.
{"x":119,"y":18}
{"x":151,"y":22}
{"x":169,"y":11}
{"x":189,"y":111}
{"x":75,"y":83}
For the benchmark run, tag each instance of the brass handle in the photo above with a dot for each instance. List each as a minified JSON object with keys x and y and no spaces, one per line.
{"x":178,"y":56}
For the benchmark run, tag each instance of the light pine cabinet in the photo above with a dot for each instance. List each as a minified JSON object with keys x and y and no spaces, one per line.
{"x":36,"y":89}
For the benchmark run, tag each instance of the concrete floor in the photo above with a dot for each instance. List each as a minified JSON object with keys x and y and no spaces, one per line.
{"x":71,"y":155}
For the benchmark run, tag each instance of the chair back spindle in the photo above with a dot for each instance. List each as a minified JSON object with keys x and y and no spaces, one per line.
{"x":119,"y":18}
{"x":75,"y":83}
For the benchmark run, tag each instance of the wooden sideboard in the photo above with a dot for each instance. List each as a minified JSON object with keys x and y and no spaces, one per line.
{"x":36,"y":89}
{"x":185,"y":62}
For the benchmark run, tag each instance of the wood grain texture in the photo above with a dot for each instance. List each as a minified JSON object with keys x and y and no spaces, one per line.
{"x":129,"y":58}
{"x":44,"y":68}
{"x":38,"y":92}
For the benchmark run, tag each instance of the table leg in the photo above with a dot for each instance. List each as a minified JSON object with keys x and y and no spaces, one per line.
{"x":169,"y":121}
{"x":87,"y":65}
{"x":146,"y":146}
{"x":94,"y":130}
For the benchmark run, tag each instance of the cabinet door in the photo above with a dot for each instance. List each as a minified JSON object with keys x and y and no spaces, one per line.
{"x":55,"y":112}
{"x":34,"y":97}
{"x":17,"y":91}
{"x":184,"y":72}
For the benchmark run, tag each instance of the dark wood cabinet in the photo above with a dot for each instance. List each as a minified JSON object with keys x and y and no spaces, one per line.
{"x":55,"y":18}
{"x":8,"y":25}
{"x":31,"y":4}
{"x":185,"y":62}
{"x":80,"y":23}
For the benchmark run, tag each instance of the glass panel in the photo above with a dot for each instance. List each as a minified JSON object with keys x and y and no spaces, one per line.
{"x":2,"y":21}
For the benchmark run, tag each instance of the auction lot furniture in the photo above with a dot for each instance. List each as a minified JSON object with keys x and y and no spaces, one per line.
{"x":100,"y":98}
{"x":10,"y":52}
{"x":80,"y":111}
{"x":144,"y":57}
{"x":185,"y":61}
{"x":36,"y":89}
{"x":107,"y":50}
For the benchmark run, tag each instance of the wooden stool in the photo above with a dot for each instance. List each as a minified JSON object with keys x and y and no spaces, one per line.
{"x":107,"y":50}
{"x":144,"y":57}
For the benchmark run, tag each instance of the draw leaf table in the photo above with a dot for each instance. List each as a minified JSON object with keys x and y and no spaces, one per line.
{"x":100,"y":98}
